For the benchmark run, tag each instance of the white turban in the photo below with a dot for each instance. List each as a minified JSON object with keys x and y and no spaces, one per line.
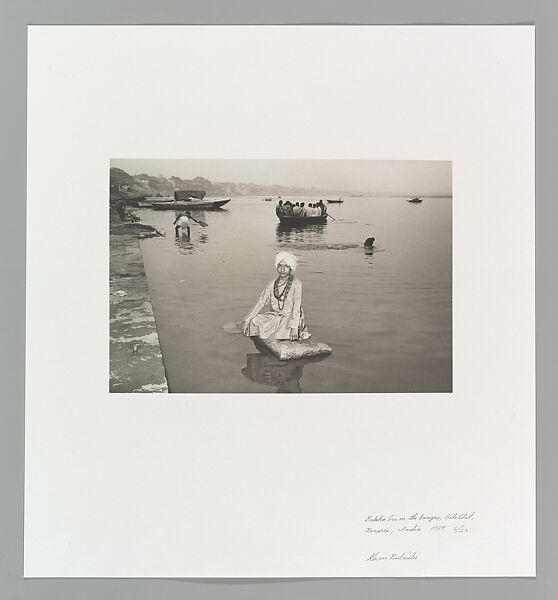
{"x":287,"y":258}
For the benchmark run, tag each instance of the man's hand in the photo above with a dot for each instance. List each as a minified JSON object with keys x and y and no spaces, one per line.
{"x":245,"y":326}
{"x":294,"y":333}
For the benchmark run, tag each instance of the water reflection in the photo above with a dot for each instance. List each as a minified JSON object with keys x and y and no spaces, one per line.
{"x":369,"y":253}
{"x":285,"y":375}
{"x":187,"y":244}
{"x":288,"y":234}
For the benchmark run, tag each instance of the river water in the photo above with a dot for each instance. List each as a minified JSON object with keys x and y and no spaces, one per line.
{"x":386,"y":314}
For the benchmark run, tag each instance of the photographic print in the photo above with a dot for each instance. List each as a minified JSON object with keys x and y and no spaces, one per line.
{"x":280,"y":276}
{"x":292,"y":340}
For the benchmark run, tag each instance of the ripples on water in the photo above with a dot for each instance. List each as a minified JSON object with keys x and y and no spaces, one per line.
{"x":386,"y":313}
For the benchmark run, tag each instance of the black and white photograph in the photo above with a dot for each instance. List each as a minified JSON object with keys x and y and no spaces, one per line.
{"x":280,"y":276}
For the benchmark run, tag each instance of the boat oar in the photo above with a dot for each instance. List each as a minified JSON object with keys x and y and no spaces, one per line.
{"x":198,"y":222}
{"x":330,"y":216}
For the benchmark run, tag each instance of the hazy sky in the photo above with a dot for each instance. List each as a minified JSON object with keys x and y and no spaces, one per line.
{"x":389,"y":177}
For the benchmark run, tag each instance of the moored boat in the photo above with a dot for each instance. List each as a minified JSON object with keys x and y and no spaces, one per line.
{"x":185,"y":195}
{"x":338,"y":201}
{"x":190,"y":205}
{"x":415,"y":200}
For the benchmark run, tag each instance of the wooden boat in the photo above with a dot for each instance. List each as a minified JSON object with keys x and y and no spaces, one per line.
{"x":415,"y":200}
{"x":297,"y":220}
{"x":184,"y":195}
{"x":190,"y":205}
{"x":338,"y":201}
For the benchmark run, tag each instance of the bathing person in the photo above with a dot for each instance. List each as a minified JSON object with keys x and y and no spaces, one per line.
{"x":369,"y":242}
{"x":182,"y":222}
{"x":285,"y":319}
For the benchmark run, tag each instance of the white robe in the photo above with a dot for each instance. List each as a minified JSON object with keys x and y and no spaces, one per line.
{"x":278,"y":322}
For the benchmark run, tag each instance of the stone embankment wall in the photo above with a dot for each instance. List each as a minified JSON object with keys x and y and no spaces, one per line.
{"x":136,"y":361}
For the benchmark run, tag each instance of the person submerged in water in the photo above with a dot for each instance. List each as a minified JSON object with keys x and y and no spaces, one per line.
{"x":182,"y":224}
{"x":285,"y":320}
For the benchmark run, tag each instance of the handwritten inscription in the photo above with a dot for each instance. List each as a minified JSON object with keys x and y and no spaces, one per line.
{"x":415,"y":525}
{"x":385,"y":556}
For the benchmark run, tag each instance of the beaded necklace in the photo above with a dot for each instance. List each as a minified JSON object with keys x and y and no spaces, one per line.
{"x":282,"y":296}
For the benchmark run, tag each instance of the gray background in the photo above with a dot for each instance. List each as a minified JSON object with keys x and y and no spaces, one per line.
{"x":14,"y":17}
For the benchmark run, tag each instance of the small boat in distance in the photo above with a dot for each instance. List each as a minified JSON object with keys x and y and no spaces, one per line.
{"x":268,"y":199}
{"x":415,"y":200}
{"x":338,"y":201}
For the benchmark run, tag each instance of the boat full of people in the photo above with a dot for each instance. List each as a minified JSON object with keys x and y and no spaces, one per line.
{"x":296,"y":213}
{"x":293,"y":220}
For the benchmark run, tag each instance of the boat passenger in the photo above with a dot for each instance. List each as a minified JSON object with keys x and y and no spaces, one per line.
{"x":303,"y":211}
{"x":285,"y":319}
{"x":322,"y":207}
{"x":279,"y":208}
{"x":287,"y":208}
{"x":297,"y":210}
